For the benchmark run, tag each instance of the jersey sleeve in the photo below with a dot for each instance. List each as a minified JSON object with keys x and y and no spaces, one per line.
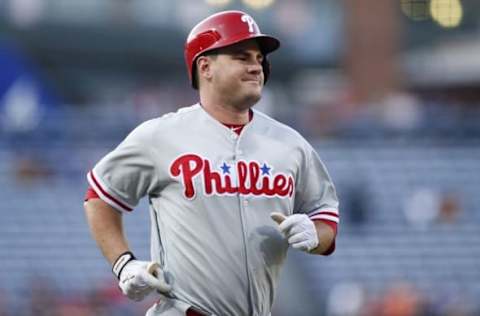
{"x":127,"y":173}
{"x":315,"y":192}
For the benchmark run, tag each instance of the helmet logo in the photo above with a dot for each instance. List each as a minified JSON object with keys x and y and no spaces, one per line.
{"x":251,"y":23}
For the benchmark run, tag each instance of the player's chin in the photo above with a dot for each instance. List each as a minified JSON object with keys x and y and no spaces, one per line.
{"x":254,"y":89}
{"x":250,"y":93}
{"x":252,"y":98}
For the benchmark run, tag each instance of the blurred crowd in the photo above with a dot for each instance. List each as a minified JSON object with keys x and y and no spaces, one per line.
{"x":43,"y":299}
{"x":347,"y":299}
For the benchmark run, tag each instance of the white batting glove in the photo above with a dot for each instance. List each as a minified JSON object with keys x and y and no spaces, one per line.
{"x":137,"y":279}
{"x":299,"y":230}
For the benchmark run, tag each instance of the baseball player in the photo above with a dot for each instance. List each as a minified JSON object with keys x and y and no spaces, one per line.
{"x":229,"y":188}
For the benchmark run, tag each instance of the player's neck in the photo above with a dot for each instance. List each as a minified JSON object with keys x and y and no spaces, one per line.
{"x":227,"y":114}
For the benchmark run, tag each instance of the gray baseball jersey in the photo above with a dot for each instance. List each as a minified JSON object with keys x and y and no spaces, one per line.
{"x":211,"y":193}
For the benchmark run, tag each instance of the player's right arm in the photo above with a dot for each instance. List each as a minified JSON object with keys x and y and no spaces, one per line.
{"x":117,"y":183}
{"x":107,"y":228}
{"x":136,"y":278}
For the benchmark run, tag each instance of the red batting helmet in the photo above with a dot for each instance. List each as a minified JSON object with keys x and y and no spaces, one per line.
{"x":224,"y":29}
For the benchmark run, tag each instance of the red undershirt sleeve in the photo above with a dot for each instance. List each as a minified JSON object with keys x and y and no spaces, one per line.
{"x":90,"y":194}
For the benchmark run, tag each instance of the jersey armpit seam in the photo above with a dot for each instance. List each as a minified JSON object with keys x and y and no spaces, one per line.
{"x":154,"y":162}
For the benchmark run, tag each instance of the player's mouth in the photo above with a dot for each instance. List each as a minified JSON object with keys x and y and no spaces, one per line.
{"x":252,"y":80}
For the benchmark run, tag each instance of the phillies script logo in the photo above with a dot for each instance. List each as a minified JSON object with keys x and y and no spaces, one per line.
{"x":252,"y":178}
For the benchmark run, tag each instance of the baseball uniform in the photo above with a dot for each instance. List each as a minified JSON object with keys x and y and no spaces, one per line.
{"x":211,"y":193}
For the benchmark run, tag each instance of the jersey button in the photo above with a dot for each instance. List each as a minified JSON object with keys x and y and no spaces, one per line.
{"x":233,"y":136}
{"x":245,"y":203}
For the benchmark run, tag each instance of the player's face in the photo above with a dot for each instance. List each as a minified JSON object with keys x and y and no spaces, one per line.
{"x":237,"y":74}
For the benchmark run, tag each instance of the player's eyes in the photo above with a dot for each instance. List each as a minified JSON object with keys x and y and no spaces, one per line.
{"x":246,"y":58}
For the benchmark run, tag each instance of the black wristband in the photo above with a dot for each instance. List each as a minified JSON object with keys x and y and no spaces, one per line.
{"x":121,"y":261}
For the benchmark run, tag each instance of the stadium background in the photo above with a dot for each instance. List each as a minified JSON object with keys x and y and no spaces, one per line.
{"x":387,"y":91}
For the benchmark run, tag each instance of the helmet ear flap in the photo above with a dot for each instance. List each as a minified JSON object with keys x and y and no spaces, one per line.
{"x":194,"y":77}
{"x":266,"y":69}
{"x":194,"y":74}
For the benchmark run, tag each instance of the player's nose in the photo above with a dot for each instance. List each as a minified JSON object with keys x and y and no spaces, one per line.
{"x":255,"y":68}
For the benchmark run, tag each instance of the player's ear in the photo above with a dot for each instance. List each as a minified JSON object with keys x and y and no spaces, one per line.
{"x":204,"y":69}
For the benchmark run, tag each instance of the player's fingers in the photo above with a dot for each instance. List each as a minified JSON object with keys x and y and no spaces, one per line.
{"x":138,"y":293}
{"x":164,"y":280}
{"x":158,"y":282}
{"x":138,"y":296}
{"x":296,"y":229}
{"x":288,"y":223}
{"x":133,"y":296}
{"x":162,"y":285}
{"x":277,"y":217}
{"x":304,"y":246}
{"x":296,"y":238}
{"x":152,"y":268}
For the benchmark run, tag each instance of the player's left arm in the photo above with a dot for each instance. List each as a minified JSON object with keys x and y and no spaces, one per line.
{"x":313,"y":225}
{"x":326,"y":233}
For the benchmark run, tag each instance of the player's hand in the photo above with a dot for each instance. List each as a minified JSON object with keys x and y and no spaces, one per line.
{"x":139,"y":278}
{"x":299,"y":230}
